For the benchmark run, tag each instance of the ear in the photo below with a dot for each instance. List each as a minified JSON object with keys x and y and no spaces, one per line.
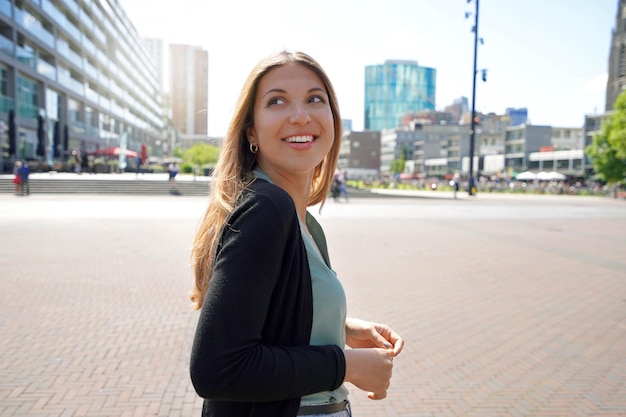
{"x":250,"y":135}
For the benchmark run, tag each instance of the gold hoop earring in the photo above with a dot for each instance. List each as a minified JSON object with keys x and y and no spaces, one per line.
{"x":254,"y":148}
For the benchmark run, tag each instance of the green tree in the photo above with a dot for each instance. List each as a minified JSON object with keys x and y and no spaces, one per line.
{"x":177,"y":152}
{"x":616,"y":137}
{"x":397,"y":165}
{"x":201,"y":155}
{"x":608,"y":148}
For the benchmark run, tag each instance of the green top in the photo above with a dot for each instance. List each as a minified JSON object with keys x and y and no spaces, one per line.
{"x":329,"y":308}
{"x":329,"y":300}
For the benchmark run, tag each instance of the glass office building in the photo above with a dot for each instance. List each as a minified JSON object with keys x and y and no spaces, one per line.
{"x":74,"y":76}
{"x":395,"y":88}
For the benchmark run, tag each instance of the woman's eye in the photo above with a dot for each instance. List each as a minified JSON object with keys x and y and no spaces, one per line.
{"x":276,"y":100}
{"x":317,"y":99}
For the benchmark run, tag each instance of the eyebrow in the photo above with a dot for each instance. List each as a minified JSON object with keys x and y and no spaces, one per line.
{"x":281,"y":91}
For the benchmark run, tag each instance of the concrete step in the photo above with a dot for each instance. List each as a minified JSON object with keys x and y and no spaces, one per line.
{"x":114,"y":184}
{"x":105,"y":186}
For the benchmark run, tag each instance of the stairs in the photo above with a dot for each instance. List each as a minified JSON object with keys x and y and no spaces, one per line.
{"x":147,"y":184}
{"x":108,"y":186}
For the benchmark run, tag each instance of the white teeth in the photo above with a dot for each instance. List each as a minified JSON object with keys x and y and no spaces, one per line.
{"x":299,"y":139}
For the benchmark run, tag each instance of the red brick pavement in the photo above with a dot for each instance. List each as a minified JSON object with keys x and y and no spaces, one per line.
{"x":502,"y":316}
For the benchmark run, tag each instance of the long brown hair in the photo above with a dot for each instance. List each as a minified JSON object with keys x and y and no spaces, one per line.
{"x":233,"y":171}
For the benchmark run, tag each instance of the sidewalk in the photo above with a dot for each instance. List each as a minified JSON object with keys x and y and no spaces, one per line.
{"x":509,"y":308}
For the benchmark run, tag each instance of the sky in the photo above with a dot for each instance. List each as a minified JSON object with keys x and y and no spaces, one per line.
{"x":550,"y":56}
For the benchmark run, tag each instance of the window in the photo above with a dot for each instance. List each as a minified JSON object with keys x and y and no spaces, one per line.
{"x":6,"y":102}
{"x":74,"y":109}
{"x":25,"y":52}
{"x":4,"y":89}
{"x":52,"y":104}
{"x":27,"y":98}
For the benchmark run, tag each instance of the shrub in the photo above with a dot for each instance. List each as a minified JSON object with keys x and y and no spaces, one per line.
{"x":186,"y":168}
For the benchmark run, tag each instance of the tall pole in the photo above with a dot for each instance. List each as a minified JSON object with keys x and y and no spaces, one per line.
{"x":473,"y":122}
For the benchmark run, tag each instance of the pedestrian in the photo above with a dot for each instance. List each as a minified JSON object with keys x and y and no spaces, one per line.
{"x":340,"y":185}
{"x":456,"y":179}
{"x":137,"y":166}
{"x":24,"y":174}
{"x":78,"y":163}
{"x":17,"y":177}
{"x":334,"y":189}
{"x":272,"y":332}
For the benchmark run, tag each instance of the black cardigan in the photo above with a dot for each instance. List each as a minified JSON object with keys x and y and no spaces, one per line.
{"x":251,"y":353}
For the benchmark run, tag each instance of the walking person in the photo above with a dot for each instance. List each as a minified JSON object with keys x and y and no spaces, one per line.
{"x":17,"y":177}
{"x":78,"y":164}
{"x":137,"y":166}
{"x":24,"y":174}
{"x":272,"y":332}
{"x":340,"y":182}
{"x":173,"y":171}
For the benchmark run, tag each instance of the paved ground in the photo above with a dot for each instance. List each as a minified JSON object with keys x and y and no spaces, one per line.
{"x":510,"y":305}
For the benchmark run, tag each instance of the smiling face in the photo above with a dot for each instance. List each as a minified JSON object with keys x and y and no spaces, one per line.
{"x":293,"y":121}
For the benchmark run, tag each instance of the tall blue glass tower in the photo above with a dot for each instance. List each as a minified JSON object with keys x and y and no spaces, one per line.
{"x":395,"y":88}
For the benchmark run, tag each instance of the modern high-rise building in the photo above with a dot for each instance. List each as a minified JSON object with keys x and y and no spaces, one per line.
{"x":394,"y":89}
{"x":458,"y":108}
{"x":617,"y":57}
{"x":518,"y":116}
{"x":154,"y":49}
{"x":74,"y":76}
{"x":189,"y":89}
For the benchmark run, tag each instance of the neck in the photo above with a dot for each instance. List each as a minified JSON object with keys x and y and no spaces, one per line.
{"x":298,"y":186}
{"x":299,"y":192}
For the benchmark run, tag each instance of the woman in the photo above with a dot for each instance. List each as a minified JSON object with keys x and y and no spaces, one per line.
{"x":17,"y":177}
{"x":272,"y":329}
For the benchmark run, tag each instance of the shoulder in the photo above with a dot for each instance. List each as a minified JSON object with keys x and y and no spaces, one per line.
{"x":267,"y":195}
{"x":265,"y":203}
{"x":264,"y":219}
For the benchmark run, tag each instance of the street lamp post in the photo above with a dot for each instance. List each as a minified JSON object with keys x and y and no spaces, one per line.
{"x":473,"y":122}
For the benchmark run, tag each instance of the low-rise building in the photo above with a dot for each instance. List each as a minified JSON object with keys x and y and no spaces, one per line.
{"x":359,"y":155}
{"x":592,"y":126}
{"x":520,"y":141}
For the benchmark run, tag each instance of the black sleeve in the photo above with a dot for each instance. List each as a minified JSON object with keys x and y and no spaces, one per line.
{"x":229,"y":359}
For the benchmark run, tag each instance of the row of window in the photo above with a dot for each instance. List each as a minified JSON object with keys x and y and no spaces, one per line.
{"x":82,"y":73}
{"x":27,"y":96}
{"x":146,"y":103}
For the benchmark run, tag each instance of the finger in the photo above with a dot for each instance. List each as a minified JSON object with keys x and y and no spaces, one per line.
{"x":380,"y":341}
{"x":397,"y":341}
{"x":392,"y":339}
{"x":398,"y":346}
{"x":377,"y":395}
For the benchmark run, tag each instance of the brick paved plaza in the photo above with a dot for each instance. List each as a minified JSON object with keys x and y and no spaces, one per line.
{"x":510,"y":305}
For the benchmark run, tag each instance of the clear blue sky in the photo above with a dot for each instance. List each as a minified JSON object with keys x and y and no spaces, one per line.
{"x":550,"y":56}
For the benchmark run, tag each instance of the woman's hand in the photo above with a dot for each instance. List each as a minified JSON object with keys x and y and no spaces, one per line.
{"x":369,"y":370}
{"x":365,"y":334}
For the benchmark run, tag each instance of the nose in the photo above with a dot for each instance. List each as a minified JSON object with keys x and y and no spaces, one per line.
{"x":299,"y":114}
